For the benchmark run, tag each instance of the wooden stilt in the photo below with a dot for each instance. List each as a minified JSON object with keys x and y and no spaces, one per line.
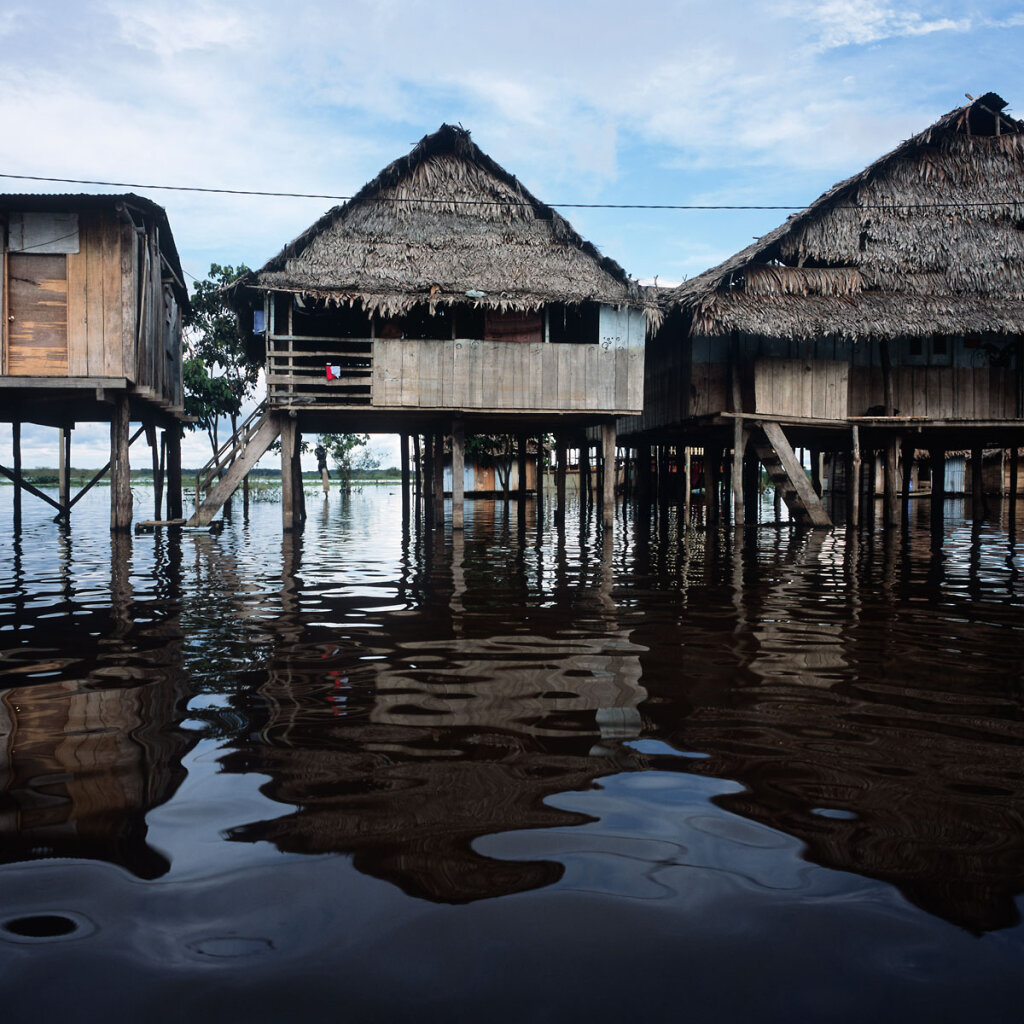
{"x":816,"y":471}
{"x":643,"y":478}
{"x":585,"y":489}
{"x":172,"y":439}
{"x":1014,"y":459}
{"x":427,"y":481}
{"x":739,"y":446}
{"x":712,"y":463}
{"x":403,"y":451}
{"x":540,"y":478}
{"x":561,"y":454}
{"x":298,"y":491}
{"x":121,"y":484}
{"x":608,"y":475}
{"x":458,"y":474}
{"x":154,"y":459}
{"x":938,"y":461}
{"x":64,"y":469}
{"x":439,"y":478}
{"x":288,"y":432}
{"x":687,"y":482}
{"x":891,"y":515}
{"x":751,"y":489}
{"x":906,"y":473}
{"x":16,"y":445}
{"x":521,"y":461}
{"x":853,"y":484}
{"x":977,"y":485}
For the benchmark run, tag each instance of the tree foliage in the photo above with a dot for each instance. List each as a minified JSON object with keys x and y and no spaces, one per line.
{"x":219,"y":375}
{"x":348,"y":452}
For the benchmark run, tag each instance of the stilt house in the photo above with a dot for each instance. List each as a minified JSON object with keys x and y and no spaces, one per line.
{"x":92,"y":296}
{"x":889,"y":313}
{"x":443,"y":298}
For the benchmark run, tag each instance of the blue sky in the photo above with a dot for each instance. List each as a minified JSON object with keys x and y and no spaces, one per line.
{"x":684,"y":102}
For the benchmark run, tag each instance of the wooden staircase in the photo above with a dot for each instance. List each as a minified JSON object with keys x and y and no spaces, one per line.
{"x":232,"y":463}
{"x":781,"y":464}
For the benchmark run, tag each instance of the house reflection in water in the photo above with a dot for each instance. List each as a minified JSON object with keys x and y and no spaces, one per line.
{"x":89,"y":700}
{"x":404,"y":750}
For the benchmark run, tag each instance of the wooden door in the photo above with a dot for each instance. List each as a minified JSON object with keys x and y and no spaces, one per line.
{"x":37,"y":315}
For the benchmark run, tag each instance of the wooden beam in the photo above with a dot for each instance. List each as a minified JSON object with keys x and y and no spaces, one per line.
{"x":853,"y":484}
{"x":120,"y":483}
{"x":16,"y":478}
{"x":458,"y":474}
{"x":977,"y":485}
{"x":816,"y":514}
{"x":938,"y":461}
{"x":739,"y":446}
{"x":287,"y":429}
{"x":891,"y":516}
{"x":403,"y":451}
{"x":608,"y":475}
{"x":16,"y":445}
{"x":439,"y":478}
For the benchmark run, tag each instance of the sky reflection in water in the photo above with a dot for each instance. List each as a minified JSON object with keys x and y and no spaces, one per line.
{"x":359,"y":774}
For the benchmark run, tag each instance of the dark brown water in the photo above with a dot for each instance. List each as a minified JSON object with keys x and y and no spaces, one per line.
{"x":357,"y":776}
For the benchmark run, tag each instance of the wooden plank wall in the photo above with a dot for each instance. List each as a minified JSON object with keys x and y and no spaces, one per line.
{"x":798,"y":387}
{"x":938,"y":392}
{"x":470,"y":374}
{"x":95,"y":347}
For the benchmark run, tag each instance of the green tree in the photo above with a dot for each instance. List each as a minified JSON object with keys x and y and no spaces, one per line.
{"x":342,"y":450}
{"x":219,"y":375}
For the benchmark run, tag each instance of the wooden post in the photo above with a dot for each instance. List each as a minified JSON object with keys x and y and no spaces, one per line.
{"x":816,"y":471}
{"x":288,"y":432}
{"x":16,"y":445}
{"x":298,"y":491}
{"x":439,"y":478}
{"x":608,"y":475}
{"x":853,"y":484}
{"x":977,"y":485}
{"x":64,"y":469}
{"x":121,"y":484}
{"x":458,"y":474}
{"x":938,"y":461}
{"x":687,"y":482}
{"x":154,"y":458}
{"x":751,"y":485}
{"x":739,"y":447}
{"x":891,"y":515}
{"x":521,"y":470}
{"x":540,"y":478}
{"x":427,"y":483}
{"x":172,"y":441}
{"x":712,"y":463}
{"x":1014,"y":458}
{"x":584,"y":474}
{"x":403,"y":444}
{"x":906,"y":472}
{"x":561,"y":454}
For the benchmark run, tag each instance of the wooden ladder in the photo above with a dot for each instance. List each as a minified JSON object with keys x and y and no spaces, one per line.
{"x":788,"y":476}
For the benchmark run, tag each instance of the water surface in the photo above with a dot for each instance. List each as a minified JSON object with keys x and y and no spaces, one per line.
{"x":516,"y":775}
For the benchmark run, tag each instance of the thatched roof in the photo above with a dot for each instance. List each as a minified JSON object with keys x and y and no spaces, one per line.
{"x":929,"y":239}
{"x":444,"y":221}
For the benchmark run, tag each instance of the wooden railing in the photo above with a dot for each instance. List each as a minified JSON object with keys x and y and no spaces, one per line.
{"x":229,"y":451}
{"x":455,"y":374}
{"x":297,"y":370}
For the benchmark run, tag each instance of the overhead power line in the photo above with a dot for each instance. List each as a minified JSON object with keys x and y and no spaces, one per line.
{"x":960,"y":204}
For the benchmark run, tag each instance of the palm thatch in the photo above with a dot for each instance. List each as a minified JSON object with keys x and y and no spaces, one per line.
{"x":929,"y":239}
{"x":446,"y":225}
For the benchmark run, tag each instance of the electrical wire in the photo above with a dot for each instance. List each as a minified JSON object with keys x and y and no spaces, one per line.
{"x":509,"y":202}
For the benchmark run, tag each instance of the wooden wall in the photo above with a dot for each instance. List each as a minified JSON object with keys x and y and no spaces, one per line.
{"x":469,"y":374}
{"x":797,"y":387}
{"x":77,"y":313}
